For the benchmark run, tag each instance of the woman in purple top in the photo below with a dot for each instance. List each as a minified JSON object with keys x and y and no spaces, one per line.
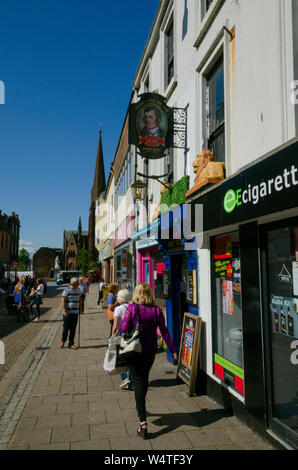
{"x":151,"y":317}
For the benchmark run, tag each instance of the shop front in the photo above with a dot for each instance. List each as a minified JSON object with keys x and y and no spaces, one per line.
{"x":250,"y":229}
{"x":179,"y":273}
{"x":124,"y":255}
{"x":107,"y":262}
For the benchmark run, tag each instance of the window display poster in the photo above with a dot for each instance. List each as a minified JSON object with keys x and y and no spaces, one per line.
{"x":284,"y":311}
{"x":227,"y":297}
{"x":223,"y":247}
{"x":236,"y":275}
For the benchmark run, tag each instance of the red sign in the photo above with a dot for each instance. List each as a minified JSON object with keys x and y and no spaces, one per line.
{"x":160,"y":267}
{"x":229,"y":270}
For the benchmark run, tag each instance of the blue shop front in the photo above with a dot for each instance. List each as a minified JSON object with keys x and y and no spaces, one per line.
{"x":180,"y":285}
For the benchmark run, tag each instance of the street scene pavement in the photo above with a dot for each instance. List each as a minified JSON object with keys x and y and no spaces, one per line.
{"x":62,"y":399}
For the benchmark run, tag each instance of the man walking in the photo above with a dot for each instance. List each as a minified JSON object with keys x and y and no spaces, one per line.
{"x":71,"y":307}
{"x":84,"y":290}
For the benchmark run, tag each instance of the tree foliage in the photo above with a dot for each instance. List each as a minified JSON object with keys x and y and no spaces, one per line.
{"x":83,"y":261}
{"x":24,"y":260}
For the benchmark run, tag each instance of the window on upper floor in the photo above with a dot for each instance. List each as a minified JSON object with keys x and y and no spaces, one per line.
{"x":146,"y":84}
{"x":169,"y":54}
{"x":169,"y":165}
{"x":206,"y":4}
{"x":215,"y":121}
{"x":125,"y":178}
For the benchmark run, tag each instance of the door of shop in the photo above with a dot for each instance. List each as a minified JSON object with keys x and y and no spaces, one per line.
{"x":279,"y":245}
{"x":178,"y":267}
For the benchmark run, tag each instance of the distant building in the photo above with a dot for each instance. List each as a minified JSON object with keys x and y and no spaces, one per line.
{"x":73,"y":242}
{"x":9,"y":243}
{"x":45,"y":258}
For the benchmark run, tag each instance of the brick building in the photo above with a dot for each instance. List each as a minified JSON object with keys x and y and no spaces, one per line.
{"x":45,"y":258}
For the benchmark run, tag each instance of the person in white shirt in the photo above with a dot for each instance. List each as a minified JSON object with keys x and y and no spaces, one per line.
{"x":123,"y":298}
{"x":38,"y":297}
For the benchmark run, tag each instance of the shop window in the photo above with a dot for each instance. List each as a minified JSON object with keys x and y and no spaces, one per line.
{"x":169,"y":54}
{"x":206,"y":4}
{"x":227,"y":311}
{"x":169,"y":165}
{"x":282,"y":269}
{"x":216,"y":111}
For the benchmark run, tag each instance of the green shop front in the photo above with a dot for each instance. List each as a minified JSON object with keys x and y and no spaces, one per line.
{"x":250,"y":226}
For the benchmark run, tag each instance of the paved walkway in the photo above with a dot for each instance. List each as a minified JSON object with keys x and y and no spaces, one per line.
{"x":63,"y":399}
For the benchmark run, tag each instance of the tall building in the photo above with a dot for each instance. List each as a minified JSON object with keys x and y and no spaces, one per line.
{"x":229,"y":70}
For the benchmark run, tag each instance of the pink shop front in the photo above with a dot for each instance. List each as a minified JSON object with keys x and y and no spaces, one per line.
{"x":150,"y":266}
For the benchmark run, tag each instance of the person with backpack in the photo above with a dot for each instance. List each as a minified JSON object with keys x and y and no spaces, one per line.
{"x":151,"y":317}
{"x":71,"y":307}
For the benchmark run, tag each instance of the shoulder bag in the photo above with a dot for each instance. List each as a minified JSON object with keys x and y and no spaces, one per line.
{"x":130,"y":341}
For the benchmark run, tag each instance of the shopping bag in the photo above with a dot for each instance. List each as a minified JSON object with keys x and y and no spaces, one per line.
{"x":113,"y":363}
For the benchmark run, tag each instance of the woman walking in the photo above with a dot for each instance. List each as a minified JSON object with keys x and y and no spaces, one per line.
{"x":111,"y":303}
{"x":151,"y":317}
{"x":123,"y":299}
{"x":38,"y":297}
{"x":20,"y":297}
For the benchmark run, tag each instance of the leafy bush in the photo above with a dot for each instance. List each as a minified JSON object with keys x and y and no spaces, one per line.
{"x":176,"y":196}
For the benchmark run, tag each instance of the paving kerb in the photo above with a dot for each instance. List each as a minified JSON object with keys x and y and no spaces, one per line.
{"x":98,"y":415}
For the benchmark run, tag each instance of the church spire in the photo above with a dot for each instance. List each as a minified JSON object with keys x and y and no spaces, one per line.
{"x":99,"y":182}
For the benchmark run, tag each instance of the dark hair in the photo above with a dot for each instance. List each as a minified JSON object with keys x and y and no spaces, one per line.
{"x":156,"y":110}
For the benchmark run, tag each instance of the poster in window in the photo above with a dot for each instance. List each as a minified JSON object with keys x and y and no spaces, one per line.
{"x":284,"y":313}
{"x":295,"y":278}
{"x":223,"y":247}
{"x":227,"y":297}
{"x":189,"y":350}
{"x":191,"y":287}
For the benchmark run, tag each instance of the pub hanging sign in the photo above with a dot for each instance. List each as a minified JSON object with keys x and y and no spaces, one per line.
{"x":151,"y":125}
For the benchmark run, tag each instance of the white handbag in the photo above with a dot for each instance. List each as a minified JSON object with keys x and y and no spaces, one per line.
{"x":113,"y":364}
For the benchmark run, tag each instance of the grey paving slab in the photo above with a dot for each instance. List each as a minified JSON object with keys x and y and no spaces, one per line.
{"x":103,"y":431}
{"x":46,"y":422}
{"x":95,"y":417}
{"x":99,"y":444}
{"x":70,"y":434}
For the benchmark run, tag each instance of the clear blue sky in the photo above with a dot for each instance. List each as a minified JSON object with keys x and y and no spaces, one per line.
{"x":68,"y":68}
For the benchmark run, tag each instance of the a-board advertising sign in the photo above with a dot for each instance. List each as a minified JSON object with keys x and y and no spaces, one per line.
{"x":189,"y":350}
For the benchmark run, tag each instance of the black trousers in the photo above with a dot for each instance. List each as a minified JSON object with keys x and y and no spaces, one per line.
{"x":83,"y":302}
{"x":69,"y":326}
{"x":140,"y":367}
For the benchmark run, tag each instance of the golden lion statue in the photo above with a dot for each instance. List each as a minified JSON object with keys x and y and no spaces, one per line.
{"x":207,"y":171}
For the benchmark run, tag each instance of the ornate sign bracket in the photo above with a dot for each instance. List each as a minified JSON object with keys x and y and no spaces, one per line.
{"x":180,"y":128}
